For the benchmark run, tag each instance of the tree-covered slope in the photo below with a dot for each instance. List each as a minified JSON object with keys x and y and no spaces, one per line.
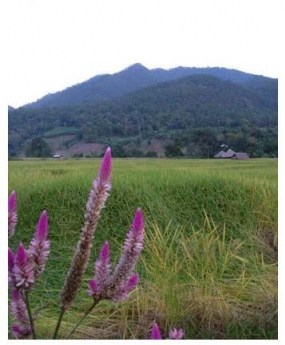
{"x":161,"y":110}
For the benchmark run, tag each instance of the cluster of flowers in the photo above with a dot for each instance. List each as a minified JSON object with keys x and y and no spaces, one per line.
{"x":173,"y":334}
{"x":26,"y":265}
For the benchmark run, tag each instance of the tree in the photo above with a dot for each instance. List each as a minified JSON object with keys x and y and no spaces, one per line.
{"x":206,"y":141}
{"x":38,"y":148}
{"x":173,"y":150}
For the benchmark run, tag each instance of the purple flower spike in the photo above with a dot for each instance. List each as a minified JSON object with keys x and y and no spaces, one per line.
{"x":96,"y":201}
{"x":133,"y":281}
{"x":155,"y":332}
{"x":103,"y":267}
{"x":16,"y":331}
{"x":23,"y":269}
{"x":105,"y":169}
{"x":105,"y":252}
{"x":12,"y":213}
{"x":118,"y":284}
{"x":138,"y":222}
{"x":19,"y":310}
{"x":12,"y":202}
{"x":39,"y":246}
{"x":42,"y":227}
{"x":18,"y":307}
{"x":93,"y":290}
{"x":11,"y":259}
{"x":176,"y":333}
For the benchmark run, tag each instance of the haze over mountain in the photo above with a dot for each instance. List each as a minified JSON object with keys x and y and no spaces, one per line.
{"x":140,"y":111}
{"x":111,"y":86}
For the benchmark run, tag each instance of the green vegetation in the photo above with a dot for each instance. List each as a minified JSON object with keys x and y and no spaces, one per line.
{"x":60,"y":131}
{"x":38,"y":148}
{"x":210,"y":259}
{"x":202,"y":111}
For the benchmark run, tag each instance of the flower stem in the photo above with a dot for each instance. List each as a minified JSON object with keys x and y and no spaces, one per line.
{"x":88,"y":311}
{"x":30,"y":314}
{"x":58,"y":323}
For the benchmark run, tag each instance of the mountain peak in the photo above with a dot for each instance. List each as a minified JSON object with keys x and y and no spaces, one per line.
{"x":136,"y":67}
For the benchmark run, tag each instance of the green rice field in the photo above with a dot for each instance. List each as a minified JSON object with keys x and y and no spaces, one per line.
{"x":210,"y":258}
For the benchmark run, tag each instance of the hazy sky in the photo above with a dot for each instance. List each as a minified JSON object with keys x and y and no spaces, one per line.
{"x":52,"y":44}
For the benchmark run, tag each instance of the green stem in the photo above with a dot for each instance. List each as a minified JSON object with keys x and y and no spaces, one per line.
{"x":62,"y":311}
{"x":88,"y":311}
{"x":26,"y":294}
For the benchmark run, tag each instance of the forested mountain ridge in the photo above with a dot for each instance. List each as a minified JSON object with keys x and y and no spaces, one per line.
{"x":197,"y":113}
{"x":111,"y":86}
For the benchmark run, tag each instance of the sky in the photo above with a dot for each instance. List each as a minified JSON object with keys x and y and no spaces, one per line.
{"x":50,"y":45}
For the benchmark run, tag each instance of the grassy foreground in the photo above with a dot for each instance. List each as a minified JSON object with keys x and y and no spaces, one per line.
{"x":210,"y":259}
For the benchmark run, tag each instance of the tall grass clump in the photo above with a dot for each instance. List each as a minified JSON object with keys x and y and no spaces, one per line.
{"x":207,"y":285}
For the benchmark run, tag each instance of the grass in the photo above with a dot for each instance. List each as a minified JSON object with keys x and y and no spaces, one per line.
{"x":209,"y":264}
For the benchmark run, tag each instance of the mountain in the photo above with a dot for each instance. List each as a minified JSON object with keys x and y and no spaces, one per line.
{"x":191,"y":111}
{"x":112,"y":86}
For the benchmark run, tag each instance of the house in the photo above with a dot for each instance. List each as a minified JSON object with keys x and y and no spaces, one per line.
{"x":225,"y":154}
{"x":58,"y":155}
{"x":230,"y":154}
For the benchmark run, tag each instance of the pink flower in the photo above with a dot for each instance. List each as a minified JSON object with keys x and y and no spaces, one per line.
{"x":103,"y":266}
{"x":105,"y":170}
{"x":12,"y":213}
{"x":132,"y":249}
{"x":11,"y":259}
{"x":155,"y":332}
{"x":176,"y":333}
{"x":122,"y":291}
{"x":173,"y":334}
{"x":132,"y":282}
{"x":19,"y":310}
{"x":23,"y":269}
{"x":96,"y":201}
{"x":39,"y":246}
{"x":93,"y":290}
{"x":117,"y":286}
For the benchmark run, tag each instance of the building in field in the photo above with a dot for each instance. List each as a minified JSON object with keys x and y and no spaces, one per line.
{"x":230,"y":154}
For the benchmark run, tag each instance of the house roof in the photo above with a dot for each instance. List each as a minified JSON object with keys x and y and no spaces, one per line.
{"x":223,"y":154}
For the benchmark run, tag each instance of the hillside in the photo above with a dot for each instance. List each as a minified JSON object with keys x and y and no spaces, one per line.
{"x":242,"y":114}
{"x":111,"y":86}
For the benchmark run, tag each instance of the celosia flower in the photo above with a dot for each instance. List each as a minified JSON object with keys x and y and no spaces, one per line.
{"x":19,"y":310}
{"x":97,"y":198}
{"x":173,"y":334}
{"x":105,"y":170}
{"x":132,"y":282}
{"x":93,"y":290}
{"x":16,"y":331}
{"x":132,"y":249}
{"x":155,"y":332}
{"x":23,"y":269}
{"x":176,"y":333}
{"x":120,"y":293}
{"x":118,"y":286}
{"x":103,"y":266}
{"x":11,"y":259}
{"x":12,"y":213}
{"x":39,"y":246}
